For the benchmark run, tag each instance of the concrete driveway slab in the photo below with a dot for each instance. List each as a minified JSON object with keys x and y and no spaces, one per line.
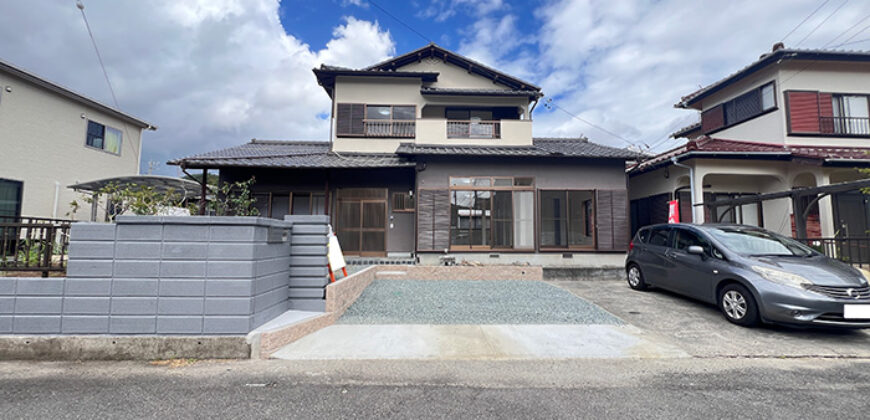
{"x":476,"y":342}
{"x":701,"y":330}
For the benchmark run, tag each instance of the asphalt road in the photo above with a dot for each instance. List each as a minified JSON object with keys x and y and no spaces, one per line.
{"x":663,"y":388}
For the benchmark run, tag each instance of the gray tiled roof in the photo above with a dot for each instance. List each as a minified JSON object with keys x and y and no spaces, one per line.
{"x":289,"y":154}
{"x":316,"y":154}
{"x":545,"y":147}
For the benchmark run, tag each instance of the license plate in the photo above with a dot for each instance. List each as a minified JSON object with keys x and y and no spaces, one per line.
{"x":856,"y":311}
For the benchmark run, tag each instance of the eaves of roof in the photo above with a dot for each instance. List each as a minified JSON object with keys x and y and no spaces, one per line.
{"x":74,"y":96}
{"x":768,"y":59}
{"x":434,"y":50}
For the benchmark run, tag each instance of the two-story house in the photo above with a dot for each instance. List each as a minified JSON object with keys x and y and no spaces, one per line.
{"x":794,"y":120}
{"x":51,"y":138}
{"x":431,"y":154}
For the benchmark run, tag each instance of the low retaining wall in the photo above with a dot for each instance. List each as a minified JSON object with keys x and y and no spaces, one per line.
{"x":339,"y":296}
{"x":489,"y":272}
{"x":79,"y":347}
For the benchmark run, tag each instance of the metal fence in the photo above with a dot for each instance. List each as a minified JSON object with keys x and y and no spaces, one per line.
{"x":851,"y":250}
{"x":33,"y":244}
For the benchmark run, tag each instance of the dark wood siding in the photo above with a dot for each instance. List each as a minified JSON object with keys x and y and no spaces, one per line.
{"x":433,"y":220}
{"x":349,"y":119}
{"x":803,"y":111}
{"x":612,"y":220}
{"x":713,"y":118}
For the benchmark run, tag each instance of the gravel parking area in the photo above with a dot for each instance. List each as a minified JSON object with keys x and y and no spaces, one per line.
{"x":472,"y":302}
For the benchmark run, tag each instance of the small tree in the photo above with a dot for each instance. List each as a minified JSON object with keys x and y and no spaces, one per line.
{"x":234,"y":199}
{"x":130,"y":198}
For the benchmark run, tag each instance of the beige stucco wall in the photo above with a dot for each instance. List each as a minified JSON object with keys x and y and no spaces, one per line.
{"x":42,"y":144}
{"x":431,"y":127}
{"x":451,"y":76}
{"x":793,"y":75}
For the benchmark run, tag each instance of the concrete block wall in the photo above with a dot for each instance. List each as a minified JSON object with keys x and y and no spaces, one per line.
{"x":158,"y":275}
{"x":308,"y":263}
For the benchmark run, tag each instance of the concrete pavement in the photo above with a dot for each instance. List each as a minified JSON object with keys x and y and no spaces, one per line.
{"x":700,"y":330}
{"x":603,"y":388}
{"x":347,"y":341}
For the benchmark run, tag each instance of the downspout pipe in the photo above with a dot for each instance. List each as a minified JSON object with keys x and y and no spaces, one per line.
{"x":691,"y":183}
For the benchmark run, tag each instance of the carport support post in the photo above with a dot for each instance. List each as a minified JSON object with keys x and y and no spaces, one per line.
{"x":95,"y":199}
{"x":203,"y":192}
{"x":800,"y":221}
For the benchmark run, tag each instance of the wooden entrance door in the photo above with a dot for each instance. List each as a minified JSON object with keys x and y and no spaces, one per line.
{"x":361,"y":221}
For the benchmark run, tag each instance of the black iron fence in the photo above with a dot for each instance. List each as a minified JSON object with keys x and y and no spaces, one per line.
{"x":851,"y":250}
{"x":33,"y":244}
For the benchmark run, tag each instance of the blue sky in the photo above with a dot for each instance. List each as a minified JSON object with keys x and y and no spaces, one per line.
{"x":216,"y":73}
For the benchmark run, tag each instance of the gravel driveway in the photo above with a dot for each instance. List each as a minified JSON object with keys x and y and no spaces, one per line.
{"x":472,"y":302}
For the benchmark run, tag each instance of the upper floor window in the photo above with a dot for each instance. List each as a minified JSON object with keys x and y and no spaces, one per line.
{"x":102,"y":137}
{"x":744,"y":107}
{"x":362,"y":120}
{"x":828,"y":114}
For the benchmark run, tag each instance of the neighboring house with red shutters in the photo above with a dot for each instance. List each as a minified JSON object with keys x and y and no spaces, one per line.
{"x":791,"y":119}
{"x":431,"y":154}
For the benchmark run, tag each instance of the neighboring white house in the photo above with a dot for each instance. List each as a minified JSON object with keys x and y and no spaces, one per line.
{"x":52,"y":137}
{"x":791,"y":119}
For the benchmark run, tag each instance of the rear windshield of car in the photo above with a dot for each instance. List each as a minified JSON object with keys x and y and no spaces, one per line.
{"x":759,"y":243}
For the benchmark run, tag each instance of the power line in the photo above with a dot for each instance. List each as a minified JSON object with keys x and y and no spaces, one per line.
{"x":400,"y":21}
{"x":847,"y":30}
{"x":549,"y":104}
{"x":804,"y":21}
{"x":81,"y":7}
{"x":822,"y":22}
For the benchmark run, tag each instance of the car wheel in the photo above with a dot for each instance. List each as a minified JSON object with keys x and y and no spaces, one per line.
{"x":635,"y":278}
{"x":738,"y":305}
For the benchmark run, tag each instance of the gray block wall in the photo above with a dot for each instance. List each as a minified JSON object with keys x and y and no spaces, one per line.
{"x":308,"y":263}
{"x":160,"y":275}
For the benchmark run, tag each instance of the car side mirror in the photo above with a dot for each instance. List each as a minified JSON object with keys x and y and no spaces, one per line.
{"x":695,"y":249}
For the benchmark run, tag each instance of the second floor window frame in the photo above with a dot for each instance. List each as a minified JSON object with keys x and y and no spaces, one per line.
{"x":363,"y":120}
{"x":103,"y":137}
{"x":765,"y":95}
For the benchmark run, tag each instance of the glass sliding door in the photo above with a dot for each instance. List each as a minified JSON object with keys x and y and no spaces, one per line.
{"x":502,"y":219}
{"x":568,"y":219}
{"x":491,"y":213}
{"x":524,"y":219}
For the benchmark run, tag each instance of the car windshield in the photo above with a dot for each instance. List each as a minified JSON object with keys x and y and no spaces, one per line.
{"x":759,"y":243}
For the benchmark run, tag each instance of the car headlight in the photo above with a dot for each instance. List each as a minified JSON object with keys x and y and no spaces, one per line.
{"x":782,"y":277}
{"x":866,"y":275}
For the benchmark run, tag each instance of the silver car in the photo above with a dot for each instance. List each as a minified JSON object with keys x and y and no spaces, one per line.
{"x":753,"y":275}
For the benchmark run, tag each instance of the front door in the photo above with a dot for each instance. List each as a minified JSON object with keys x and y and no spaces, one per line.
{"x":361,"y":221}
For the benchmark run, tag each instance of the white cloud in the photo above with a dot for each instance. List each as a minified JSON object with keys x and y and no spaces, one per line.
{"x":624,"y":64}
{"x":209,"y":73}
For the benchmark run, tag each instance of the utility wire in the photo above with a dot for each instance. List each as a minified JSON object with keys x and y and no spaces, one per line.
{"x":81,"y":7}
{"x":804,"y":21}
{"x":822,"y":22}
{"x":400,"y":21}
{"x":550,"y":105}
{"x":847,"y":30}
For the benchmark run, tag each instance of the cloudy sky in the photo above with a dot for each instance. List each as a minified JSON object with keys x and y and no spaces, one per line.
{"x":216,"y":73}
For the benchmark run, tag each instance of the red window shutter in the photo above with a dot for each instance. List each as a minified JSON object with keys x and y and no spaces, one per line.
{"x":713,"y":119}
{"x":803,"y":111}
{"x":826,"y":113}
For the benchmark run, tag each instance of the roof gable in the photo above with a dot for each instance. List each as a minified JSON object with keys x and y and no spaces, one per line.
{"x":433,"y":51}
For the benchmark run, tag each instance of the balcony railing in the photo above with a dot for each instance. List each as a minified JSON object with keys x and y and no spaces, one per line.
{"x":473,"y":129}
{"x":856,"y":126}
{"x":405,"y":129}
{"x":33,"y":244}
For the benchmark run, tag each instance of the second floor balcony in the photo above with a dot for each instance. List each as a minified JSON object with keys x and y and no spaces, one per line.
{"x":848,"y":126}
